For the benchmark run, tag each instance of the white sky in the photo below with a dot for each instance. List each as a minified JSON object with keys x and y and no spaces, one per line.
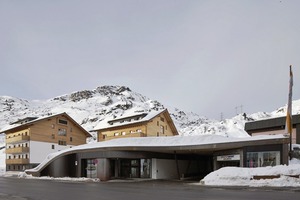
{"x":197,"y":55}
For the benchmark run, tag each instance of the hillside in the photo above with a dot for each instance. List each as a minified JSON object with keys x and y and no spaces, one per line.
{"x":89,"y":107}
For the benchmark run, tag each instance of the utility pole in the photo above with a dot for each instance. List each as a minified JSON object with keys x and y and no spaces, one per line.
{"x":238,"y":108}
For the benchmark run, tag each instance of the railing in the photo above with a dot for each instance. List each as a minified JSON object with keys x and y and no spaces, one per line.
{"x":17,"y":161}
{"x":17,"y":150}
{"x":17,"y":139}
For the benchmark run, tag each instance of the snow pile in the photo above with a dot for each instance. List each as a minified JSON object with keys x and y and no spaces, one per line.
{"x":236,"y":176}
{"x":69,"y":179}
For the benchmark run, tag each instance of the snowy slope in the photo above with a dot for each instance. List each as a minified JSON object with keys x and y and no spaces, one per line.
{"x":90,"y":107}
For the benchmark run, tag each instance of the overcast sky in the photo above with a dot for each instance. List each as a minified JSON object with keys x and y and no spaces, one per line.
{"x":203,"y":56}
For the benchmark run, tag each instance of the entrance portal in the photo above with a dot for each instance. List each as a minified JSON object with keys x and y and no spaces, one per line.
{"x":130,"y":168}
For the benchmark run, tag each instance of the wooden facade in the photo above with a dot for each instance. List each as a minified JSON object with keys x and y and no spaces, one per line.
{"x":29,"y":142}
{"x":159,"y":125}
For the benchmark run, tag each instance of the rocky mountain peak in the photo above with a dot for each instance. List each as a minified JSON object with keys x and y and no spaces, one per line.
{"x":90,"y":107}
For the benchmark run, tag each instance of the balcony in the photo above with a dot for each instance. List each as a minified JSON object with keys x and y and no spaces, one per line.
{"x":17,"y":139}
{"x":17,"y":161}
{"x":17,"y":150}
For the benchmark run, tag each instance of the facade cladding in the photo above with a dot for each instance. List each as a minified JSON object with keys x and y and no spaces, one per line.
{"x":274,"y":126}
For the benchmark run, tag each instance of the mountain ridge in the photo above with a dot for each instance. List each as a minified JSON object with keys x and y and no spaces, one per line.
{"x":89,"y":107}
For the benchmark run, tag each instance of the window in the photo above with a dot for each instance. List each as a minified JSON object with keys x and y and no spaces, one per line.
{"x":71,"y":139}
{"x":61,"y":142}
{"x":123,"y":133}
{"x":162,"y":119}
{"x":62,"y":121}
{"x":139,"y":130}
{"x":262,"y":159}
{"x":162,"y":129}
{"x":157,"y":123}
{"x":53,"y":147}
{"x":62,"y":132}
{"x":116,"y":134}
{"x":103,"y":137}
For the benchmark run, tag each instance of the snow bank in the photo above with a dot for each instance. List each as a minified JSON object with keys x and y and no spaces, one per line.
{"x":81,"y":179}
{"x":235,"y":176}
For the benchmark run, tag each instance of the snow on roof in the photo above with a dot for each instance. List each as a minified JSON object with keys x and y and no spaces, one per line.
{"x":16,"y":125}
{"x":127,"y":119}
{"x":174,"y":141}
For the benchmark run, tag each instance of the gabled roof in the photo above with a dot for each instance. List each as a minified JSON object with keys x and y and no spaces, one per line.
{"x":133,"y":119}
{"x":18,"y":125}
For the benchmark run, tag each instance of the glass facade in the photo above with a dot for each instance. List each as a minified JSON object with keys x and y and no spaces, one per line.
{"x":262,"y":159}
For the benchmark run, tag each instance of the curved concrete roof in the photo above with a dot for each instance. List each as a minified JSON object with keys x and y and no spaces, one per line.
{"x":205,"y":144}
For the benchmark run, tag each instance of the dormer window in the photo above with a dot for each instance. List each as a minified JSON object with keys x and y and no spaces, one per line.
{"x":62,"y":121}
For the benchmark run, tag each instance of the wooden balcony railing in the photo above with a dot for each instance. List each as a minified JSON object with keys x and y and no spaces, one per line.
{"x":17,"y":161}
{"x":16,"y":150}
{"x":17,"y":139}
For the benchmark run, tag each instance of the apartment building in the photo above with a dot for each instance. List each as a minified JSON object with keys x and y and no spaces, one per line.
{"x":152,"y":124}
{"x":30,"y":140}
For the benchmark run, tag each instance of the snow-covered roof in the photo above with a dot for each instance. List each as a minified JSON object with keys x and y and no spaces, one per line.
{"x":36,"y":119}
{"x":127,"y":119}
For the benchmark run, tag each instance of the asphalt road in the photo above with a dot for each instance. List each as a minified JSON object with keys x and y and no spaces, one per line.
{"x":27,"y":189}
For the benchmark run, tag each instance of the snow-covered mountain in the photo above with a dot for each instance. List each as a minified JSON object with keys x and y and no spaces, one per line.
{"x":89,"y":107}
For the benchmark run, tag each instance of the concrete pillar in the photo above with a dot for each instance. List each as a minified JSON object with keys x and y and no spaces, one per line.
{"x":103,"y":169}
{"x":285,"y":154}
{"x":241,"y":152}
